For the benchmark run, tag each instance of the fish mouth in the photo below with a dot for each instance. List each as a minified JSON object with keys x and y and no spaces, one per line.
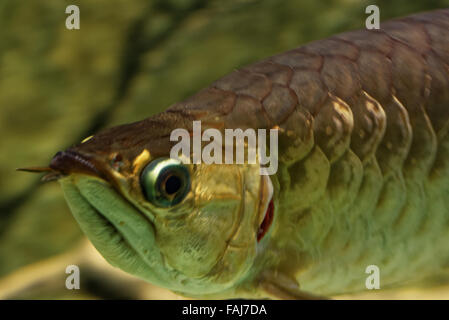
{"x":124,"y":237}
{"x":75,"y":198}
{"x":66,"y":162}
{"x":266,"y":207}
{"x":69,"y":161}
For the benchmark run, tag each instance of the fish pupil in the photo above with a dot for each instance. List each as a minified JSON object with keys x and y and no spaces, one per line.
{"x":172,"y":184}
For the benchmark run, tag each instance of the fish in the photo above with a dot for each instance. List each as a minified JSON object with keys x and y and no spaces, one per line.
{"x":363,"y":174}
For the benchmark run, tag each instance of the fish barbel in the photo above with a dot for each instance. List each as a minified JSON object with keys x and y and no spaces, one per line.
{"x":362,"y":179}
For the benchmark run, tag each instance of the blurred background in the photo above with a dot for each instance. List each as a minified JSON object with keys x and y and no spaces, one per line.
{"x":129,"y":60}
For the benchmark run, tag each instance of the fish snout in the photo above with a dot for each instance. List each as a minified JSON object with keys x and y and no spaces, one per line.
{"x":69,"y":161}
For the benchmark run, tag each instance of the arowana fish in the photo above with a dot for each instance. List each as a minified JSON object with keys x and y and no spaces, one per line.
{"x":362,"y":179}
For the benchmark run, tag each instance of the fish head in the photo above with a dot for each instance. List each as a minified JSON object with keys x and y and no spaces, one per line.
{"x":191,"y":228}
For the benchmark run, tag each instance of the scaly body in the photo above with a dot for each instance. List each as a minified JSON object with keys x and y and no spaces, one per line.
{"x":373,"y":185}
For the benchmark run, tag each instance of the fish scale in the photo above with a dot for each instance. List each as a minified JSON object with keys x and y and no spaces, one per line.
{"x":400,"y":139}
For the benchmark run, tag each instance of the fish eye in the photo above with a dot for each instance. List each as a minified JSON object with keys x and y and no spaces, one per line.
{"x":165,"y":182}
